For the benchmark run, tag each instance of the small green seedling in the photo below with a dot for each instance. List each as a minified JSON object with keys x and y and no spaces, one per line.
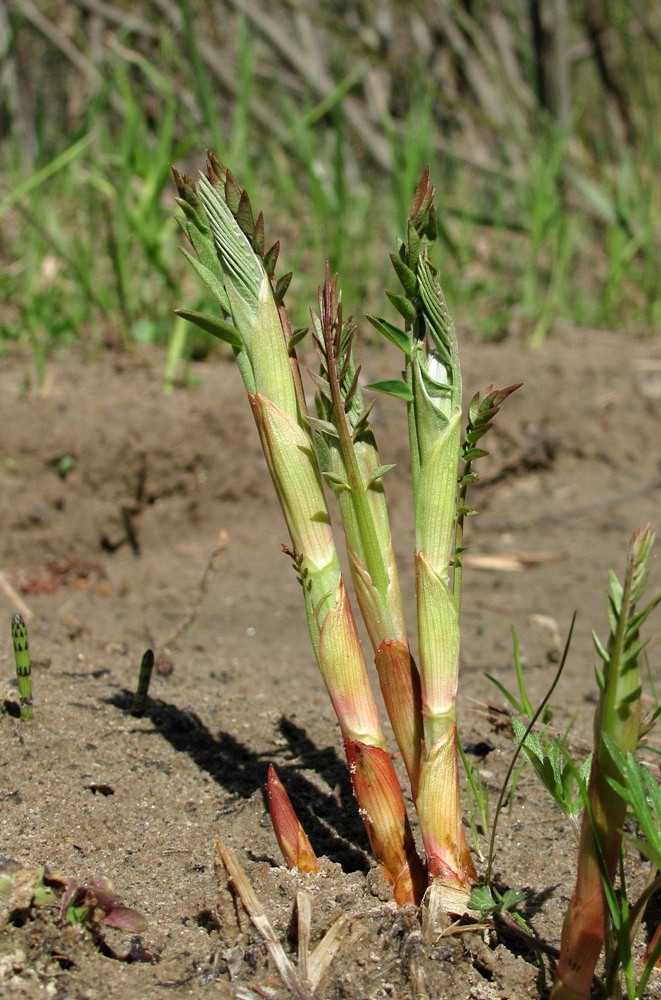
{"x":486,"y":899}
{"x":19,"y":634}
{"x":96,"y":903}
{"x":525,"y":745}
{"x":550,"y":760}
{"x":13,"y":881}
{"x":65,"y":465}
{"x":93,"y":904}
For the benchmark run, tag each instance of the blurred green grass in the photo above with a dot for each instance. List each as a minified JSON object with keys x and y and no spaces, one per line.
{"x":540,"y":124}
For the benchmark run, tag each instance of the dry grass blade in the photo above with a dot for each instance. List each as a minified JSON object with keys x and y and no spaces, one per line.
{"x":120,"y":18}
{"x":303,"y":916}
{"x":318,"y":77}
{"x":260,"y":921}
{"x":222,"y":72}
{"x":59,"y":40}
{"x":15,"y":597}
{"x":436,"y":923}
{"x":340,"y":934}
{"x":416,"y":972}
{"x":511,"y":562}
{"x":433,"y":915}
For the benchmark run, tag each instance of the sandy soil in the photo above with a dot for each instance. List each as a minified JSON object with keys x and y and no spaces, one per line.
{"x":103,"y":468}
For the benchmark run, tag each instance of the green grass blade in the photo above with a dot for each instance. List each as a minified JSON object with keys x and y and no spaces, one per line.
{"x":39,"y":178}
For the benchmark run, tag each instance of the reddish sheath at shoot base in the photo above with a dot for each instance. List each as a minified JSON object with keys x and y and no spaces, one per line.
{"x":382,"y":811}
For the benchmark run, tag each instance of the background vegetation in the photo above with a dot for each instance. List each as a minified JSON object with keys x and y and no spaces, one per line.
{"x":539,"y":119}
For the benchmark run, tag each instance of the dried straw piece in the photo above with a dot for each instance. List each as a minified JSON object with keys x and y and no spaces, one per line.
{"x":301,"y":983}
{"x":339,"y":935}
{"x":239,"y":882}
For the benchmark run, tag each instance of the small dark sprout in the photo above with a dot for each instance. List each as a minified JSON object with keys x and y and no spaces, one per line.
{"x":144,"y":677}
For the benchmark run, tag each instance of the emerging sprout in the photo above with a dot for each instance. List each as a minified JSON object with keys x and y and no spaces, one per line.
{"x":19,"y":634}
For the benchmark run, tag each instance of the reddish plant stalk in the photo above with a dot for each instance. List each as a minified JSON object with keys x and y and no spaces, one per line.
{"x":617,"y":717}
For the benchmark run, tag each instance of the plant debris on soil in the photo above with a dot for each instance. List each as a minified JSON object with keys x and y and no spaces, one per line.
{"x":119,"y":549}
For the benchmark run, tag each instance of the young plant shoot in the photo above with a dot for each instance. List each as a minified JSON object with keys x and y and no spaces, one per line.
{"x":292,"y":838}
{"x":350,"y":463}
{"x":617,"y":731}
{"x":19,"y":635}
{"x":432,"y":391}
{"x":229,"y":242}
{"x":337,"y":445}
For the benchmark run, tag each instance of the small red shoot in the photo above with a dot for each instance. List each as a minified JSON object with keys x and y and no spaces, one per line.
{"x":292,"y":838}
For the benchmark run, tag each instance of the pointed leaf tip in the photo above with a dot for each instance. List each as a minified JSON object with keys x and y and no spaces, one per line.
{"x":258,"y":237}
{"x":379,"y":473}
{"x":297,"y":336}
{"x":212,"y":324}
{"x":186,"y":189}
{"x":392,"y":333}
{"x":282,"y":286}
{"x":216,"y":166}
{"x":245,"y":217}
{"x":405,"y":274}
{"x":498,"y":396}
{"x":421,"y":213}
{"x":404,"y":307}
{"x":393,"y":387}
{"x":233,"y":193}
{"x":271,"y":258}
{"x":178,"y":180}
